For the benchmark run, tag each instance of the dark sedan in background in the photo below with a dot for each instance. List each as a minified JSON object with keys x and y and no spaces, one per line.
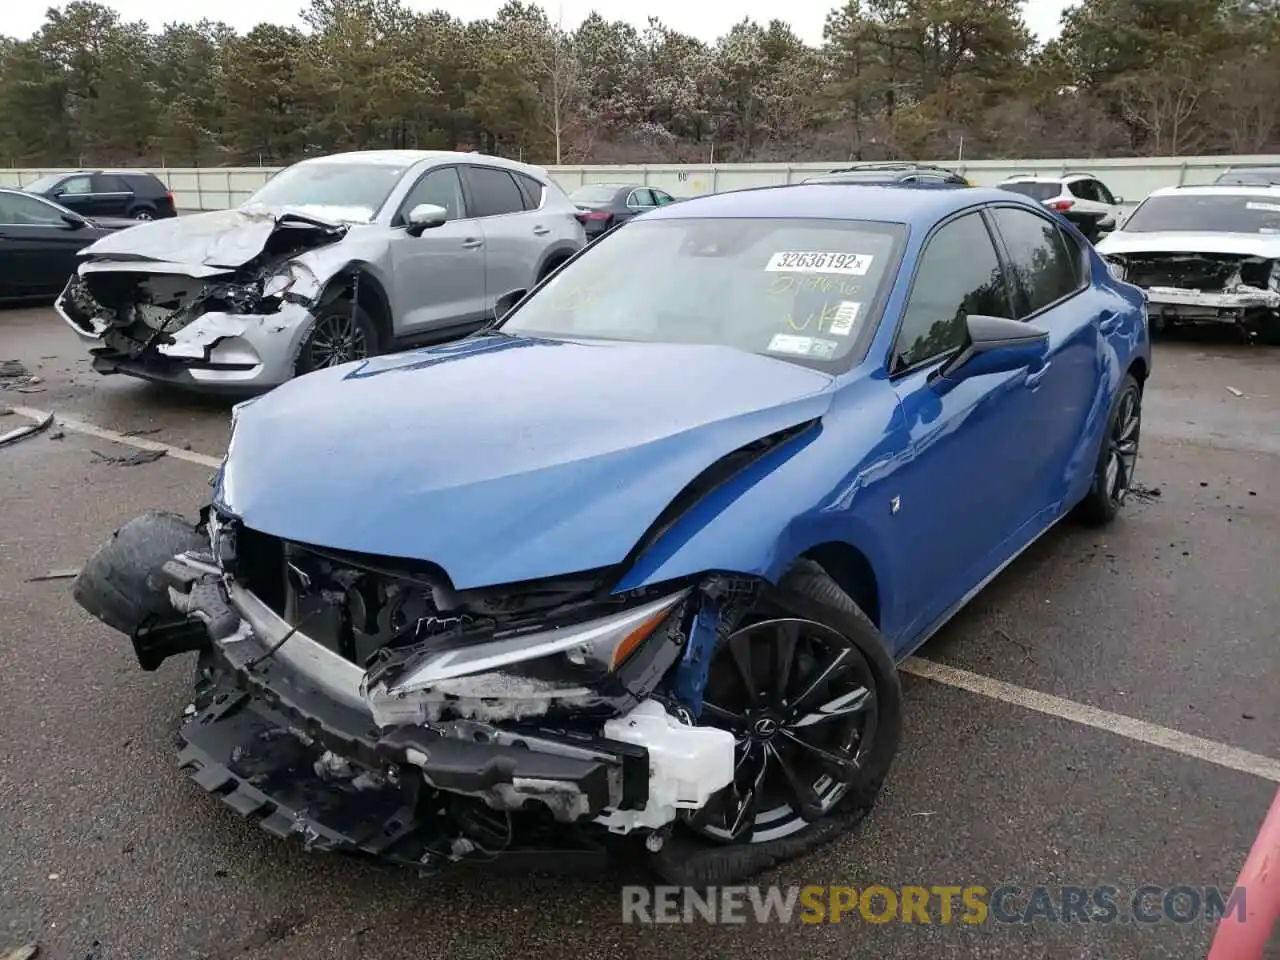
{"x":133,"y":194}
{"x":603,"y":206}
{"x":39,"y":242}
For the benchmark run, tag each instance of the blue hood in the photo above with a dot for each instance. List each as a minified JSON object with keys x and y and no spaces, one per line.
{"x":502,"y":458}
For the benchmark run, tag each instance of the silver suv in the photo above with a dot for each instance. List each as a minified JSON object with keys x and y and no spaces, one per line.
{"x":1080,"y":197}
{"x":333,"y":259}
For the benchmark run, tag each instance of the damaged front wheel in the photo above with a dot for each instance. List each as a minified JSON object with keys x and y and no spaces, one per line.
{"x":810,"y":692}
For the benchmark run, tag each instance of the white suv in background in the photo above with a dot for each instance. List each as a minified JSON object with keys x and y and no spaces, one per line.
{"x":1080,"y":197}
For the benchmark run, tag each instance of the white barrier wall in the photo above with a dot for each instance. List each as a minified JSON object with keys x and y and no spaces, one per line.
{"x":216,"y":188}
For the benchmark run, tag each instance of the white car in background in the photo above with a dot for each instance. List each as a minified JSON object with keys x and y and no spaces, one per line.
{"x":1204,"y":255}
{"x":1080,"y":197}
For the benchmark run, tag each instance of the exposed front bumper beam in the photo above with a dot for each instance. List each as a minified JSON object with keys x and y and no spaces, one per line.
{"x":1197,"y":306}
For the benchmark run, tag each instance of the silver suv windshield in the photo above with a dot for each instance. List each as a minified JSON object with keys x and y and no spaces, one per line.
{"x":1207,"y":213}
{"x":342,"y":190}
{"x":798,"y":290}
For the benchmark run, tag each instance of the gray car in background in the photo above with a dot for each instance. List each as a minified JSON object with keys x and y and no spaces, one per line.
{"x":334,"y":259}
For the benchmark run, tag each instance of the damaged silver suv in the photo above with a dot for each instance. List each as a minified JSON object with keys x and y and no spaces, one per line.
{"x":334,"y":259}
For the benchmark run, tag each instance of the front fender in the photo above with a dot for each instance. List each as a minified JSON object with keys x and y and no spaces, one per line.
{"x":792,"y":501}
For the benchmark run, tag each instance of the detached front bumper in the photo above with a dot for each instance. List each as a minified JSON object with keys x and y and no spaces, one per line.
{"x":216,"y":351}
{"x":292,"y":734}
{"x":1194,"y":305}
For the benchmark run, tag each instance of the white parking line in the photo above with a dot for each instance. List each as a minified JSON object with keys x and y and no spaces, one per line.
{"x":1152,"y":734}
{"x":1210,"y":751}
{"x":142,"y":443}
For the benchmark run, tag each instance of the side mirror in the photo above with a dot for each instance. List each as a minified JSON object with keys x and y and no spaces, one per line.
{"x":1106,"y":225}
{"x":425,"y":216}
{"x":73,"y":223}
{"x":1117,"y":199}
{"x":993,"y":345}
{"x":506,"y":303}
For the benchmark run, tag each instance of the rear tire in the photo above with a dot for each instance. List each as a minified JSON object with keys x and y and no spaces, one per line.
{"x":142,"y":213}
{"x":694,"y":854}
{"x":1117,"y":458}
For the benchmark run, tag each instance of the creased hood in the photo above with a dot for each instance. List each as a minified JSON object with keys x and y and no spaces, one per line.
{"x":502,"y":458}
{"x":221,"y":238}
{"x":1244,"y":244}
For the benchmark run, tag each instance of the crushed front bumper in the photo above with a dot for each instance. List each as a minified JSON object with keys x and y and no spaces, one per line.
{"x":1174,"y":303}
{"x":289,"y":733}
{"x":216,"y":351}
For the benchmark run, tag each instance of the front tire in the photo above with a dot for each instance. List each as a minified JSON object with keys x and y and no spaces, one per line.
{"x":1118,"y":458}
{"x":810,"y":690}
{"x":343,"y":332}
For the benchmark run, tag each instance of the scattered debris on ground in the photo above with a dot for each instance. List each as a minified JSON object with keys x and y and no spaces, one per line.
{"x":1145,"y":494}
{"x":1234,"y":392}
{"x":24,"y":952}
{"x":64,"y":573}
{"x":141,"y":432}
{"x":29,"y":430}
{"x":15,"y":376}
{"x":133,"y":459}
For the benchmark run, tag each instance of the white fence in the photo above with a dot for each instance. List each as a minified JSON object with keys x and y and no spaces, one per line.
{"x":216,"y":188}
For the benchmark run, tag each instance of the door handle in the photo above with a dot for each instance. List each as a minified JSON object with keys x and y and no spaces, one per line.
{"x":1110,"y":320}
{"x":541,"y":231}
{"x":1033,"y":379}
{"x":472,"y":243}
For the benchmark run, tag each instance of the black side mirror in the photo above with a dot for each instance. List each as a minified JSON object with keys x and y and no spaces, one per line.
{"x":73,"y":223}
{"x":506,"y":303}
{"x":994,"y":345}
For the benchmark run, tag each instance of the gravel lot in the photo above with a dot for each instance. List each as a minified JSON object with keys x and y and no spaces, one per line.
{"x":1170,"y":618}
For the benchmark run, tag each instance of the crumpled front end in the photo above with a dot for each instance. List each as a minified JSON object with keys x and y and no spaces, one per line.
{"x":365,"y":704}
{"x":196,"y":324}
{"x":1204,"y":288}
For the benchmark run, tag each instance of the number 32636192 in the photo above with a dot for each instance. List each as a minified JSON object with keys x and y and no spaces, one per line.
{"x":852,"y":264}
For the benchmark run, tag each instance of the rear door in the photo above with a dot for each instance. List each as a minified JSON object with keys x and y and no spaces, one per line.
{"x":964,"y":486}
{"x":1053,"y":290}
{"x":514,"y":238}
{"x":437,"y":277}
{"x":112,"y":196}
{"x":76,"y":193}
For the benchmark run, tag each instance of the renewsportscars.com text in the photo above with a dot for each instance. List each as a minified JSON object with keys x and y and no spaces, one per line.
{"x":967,"y":905}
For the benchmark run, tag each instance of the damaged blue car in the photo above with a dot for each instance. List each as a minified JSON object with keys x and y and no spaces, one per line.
{"x":631,"y":568}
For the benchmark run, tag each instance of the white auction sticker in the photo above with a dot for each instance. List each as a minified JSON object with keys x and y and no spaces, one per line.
{"x":1268,"y":207}
{"x":846,"y":316}
{"x":789,"y":343}
{"x":823,"y":349}
{"x":847,"y":264}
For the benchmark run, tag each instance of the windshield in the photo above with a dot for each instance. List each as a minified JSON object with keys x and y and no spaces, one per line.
{"x":44,"y":183}
{"x":346,"y":191}
{"x":595,"y":193}
{"x":1201,"y":213}
{"x":1036,"y":191}
{"x":799,"y":290}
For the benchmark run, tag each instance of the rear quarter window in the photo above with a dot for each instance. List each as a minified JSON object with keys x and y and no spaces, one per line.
{"x":1034,"y":190}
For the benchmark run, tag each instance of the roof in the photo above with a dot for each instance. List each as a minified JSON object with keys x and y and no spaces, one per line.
{"x":843,"y":201}
{"x":1220,"y":189}
{"x":410,"y":157}
{"x":1069,"y":177}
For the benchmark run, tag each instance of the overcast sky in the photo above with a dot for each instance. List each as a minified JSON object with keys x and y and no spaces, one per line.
{"x":704,"y":20}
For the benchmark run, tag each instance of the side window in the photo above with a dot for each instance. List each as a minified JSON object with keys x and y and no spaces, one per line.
{"x":1042,"y":266}
{"x":1105,"y":195}
{"x":16,"y":209}
{"x":493,"y":191}
{"x":75,"y":185}
{"x":106,"y":183}
{"x":441,"y":187}
{"x":958,"y":274}
{"x":530,"y":189}
{"x":642,"y":197}
{"x":1084,"y":189}
{"x":663,"y":198}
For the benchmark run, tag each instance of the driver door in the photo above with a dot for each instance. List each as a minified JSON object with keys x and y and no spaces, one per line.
{"x":438,"y":276}
{"x":968,"y":469}
{"x":37,"y":246}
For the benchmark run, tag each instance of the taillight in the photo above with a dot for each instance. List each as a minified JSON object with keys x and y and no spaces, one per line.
{"x":1061,"y":205}
{"x":587,"y":216}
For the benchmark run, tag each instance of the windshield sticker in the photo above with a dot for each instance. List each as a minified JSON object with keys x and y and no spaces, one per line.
{"x":1267,"y":207}
{"x":846,"y":317}
{"x":823,"y":349}
{"x":847,"y":264}
{"x":787,"y":343}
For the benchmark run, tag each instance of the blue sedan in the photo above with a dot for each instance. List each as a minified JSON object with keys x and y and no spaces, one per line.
{"x":632,"y":568}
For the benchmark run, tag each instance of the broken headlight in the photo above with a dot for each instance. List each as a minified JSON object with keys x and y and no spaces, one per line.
{"x":292,"y":281}
{"x":1116,"y":268}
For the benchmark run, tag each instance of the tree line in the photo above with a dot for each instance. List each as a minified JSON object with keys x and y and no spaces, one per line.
{"x":893,"y":79}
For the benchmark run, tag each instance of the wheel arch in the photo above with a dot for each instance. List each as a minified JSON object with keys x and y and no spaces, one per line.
{"x":371,"y":295}
{"x":555,"y":256}
{"x":1138,"y":367}
{"x":852,"y":572}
